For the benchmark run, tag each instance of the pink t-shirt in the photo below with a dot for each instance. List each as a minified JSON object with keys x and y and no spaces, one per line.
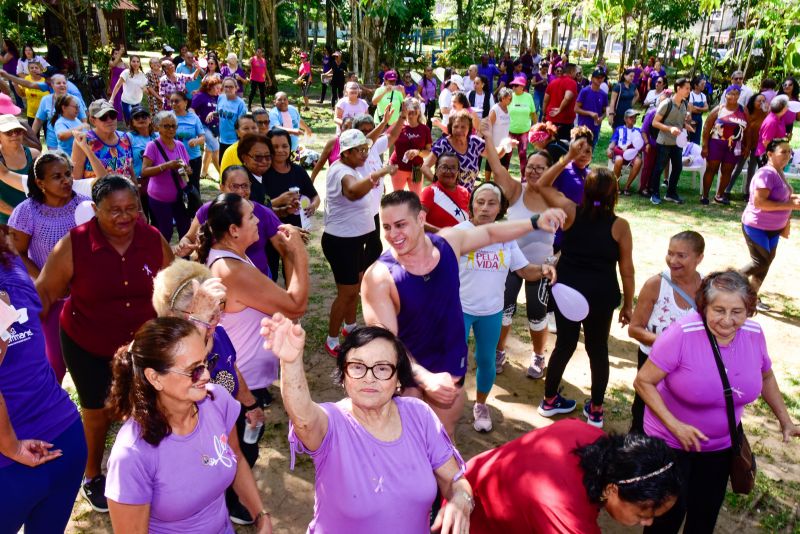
{"x":286,"y":120}
{"x":692,"y":389}
{"x":162,"y":186}
{"x":258,"y":69}
{"x":184,"y":478}
{"x":768,"y":178}
{"x":365,"y":485}
{"x":351,"y":110}
{"x":773,"y":127}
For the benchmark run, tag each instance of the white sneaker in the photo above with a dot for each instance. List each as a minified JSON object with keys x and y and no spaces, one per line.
{"x":483,"y":421}
{"x":499,"y":361}
{"x":536,"y":368}
{"x":551,"y":322}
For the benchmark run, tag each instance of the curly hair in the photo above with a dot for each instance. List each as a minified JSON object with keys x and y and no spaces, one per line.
{"x":460,"y":115}
{"x":641,"y":467}
{"x":132,"y":395}
{"x":581,"y":132}
{"x":728,"y":281}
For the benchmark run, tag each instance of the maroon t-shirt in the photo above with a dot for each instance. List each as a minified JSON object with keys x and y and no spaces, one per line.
{"x":416,"y":138}
{"x":110,"y":293}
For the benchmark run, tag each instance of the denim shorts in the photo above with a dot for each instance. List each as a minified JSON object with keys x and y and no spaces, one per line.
{"x":212,"y":143}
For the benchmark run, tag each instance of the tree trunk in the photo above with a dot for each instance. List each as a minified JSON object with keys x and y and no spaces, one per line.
{"x":162,"y":21}
{"x":600,"y":48}
{"x":302,"y":21}
{"x":223,"y":22}
{"x":569,"y":34}
{"x":193,"y":24}
{"x":354,"y":35}
{"x":624,"y":43}
{"x":508,"y":24}
{"x":269,"y":51}
{"x":554,"y":29}
{"x":699,"y":48}
{"x":211,"y":22}
{"x":645,"y":42}
{"x":330,"y":25}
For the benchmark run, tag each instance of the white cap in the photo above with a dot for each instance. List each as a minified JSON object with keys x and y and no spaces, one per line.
{"x":351,"y":139}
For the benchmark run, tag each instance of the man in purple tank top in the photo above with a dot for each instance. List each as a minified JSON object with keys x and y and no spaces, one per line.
{"x":413,"y":290}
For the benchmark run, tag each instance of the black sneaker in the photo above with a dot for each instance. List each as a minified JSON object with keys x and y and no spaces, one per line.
{"x":94,"y":492}
{"x":676,"y":199}
{"x":239,"y":514}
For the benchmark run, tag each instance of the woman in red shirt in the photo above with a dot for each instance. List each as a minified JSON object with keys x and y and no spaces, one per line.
{"x":107,"y":266}
{"x":413,"y":145}
{"x":444,"y":201}
{"x":556,"y":479}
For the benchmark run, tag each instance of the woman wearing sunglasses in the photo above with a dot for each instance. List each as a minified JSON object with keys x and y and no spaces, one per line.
{"x":177,"y":452}
{"x":187,"y":289}
{"x":379,"y":457}
{"x":112,"y":147}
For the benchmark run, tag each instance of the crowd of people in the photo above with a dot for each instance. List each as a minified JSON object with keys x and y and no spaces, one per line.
{"x":178,"y":317}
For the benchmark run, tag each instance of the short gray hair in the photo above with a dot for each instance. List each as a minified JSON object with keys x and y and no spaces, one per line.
{"x":363,"y":118}
{"x":504,"y":92}
{"x":352,"y":85}
{"x":258,"y":111}
{"x":779,"y":103}
{"x":163,"y":115}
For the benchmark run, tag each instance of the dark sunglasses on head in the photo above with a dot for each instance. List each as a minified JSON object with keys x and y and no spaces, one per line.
{"x":197,"y":372}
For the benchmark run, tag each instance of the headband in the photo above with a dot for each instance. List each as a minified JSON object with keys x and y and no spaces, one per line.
{"x":734,"y":87}
{"x":645,"y":477}
{"x":539,"y":136}
{"x":177,"y":291}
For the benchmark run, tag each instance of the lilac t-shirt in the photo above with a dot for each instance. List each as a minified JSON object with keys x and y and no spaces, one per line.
{"x":161,"y":186}
{"x":779,"y":191}
{"x":592,"y":100}
{"x":37,"y":405}
{"x":44,"y":224}
{"x":692,"y":389}
{"x":394,"y":484}
{"x":570,"y":182}
{"x":268,"y":224}
{"x":184,"y":478}
{"x":351,"y":110}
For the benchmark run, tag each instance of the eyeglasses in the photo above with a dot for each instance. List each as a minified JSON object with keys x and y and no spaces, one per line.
{"x":262,"y":123}
{"x":116,"y":213}
{"x":260,"y":158}
{"x":197,"y":372}
{"x":539,"y":169}
{"x":170,"y":126}
{"x":239,"y":187}
{"x":447,"y":168}
{"x":381,"y":371}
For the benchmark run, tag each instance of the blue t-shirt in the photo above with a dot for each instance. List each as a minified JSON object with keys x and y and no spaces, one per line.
{"x":138,"y":144}
{"x":72,"y":89}
{"x":62,"y":125}
{"x":276,"y":121}
{"x":45,"y":114}
{"x":591,"y":100}
{"x":37,"y":405}
{"x":189,"y":127}
{"x":191,"y":85}
{"x":229,"y":111}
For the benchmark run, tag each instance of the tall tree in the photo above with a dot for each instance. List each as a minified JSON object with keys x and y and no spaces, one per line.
{"x":193,"y":24}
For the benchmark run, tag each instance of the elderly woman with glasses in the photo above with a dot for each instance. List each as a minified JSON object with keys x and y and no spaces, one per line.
{"x":682,"y":386}
{"x":112,"y":147}
{"x":166,"y":165}
{"x":187,"y":289}
{"x":387,"y":453}
{"x":178,"y":450}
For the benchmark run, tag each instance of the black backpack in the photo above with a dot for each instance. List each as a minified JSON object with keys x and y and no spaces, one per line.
{"x":653,"y":132}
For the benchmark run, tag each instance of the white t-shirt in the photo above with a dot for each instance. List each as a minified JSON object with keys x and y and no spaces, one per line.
{"x":469,"y":85}
{"x":502,"y":123}
{"x":344,"y":217}
{"x":445,"y":102}
{"x":373,"y":164}
{"x":483,"y":275}
{"x":133,"y":87}
{"x":478,"y":107}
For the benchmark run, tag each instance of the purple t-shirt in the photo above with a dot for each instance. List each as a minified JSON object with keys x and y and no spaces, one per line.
{"x":779,"y":191}
{"x":592,"y":100}
{"x":37,"y":405}
{"x":226,"y":72}
{"x":224,"y":373}
{"x":647,"y":123}
{"x":184,"y":478}
{"x":268,"y":224}
{"x":570,"y":182}
{"x":161,"y":186}
{"x":773,"y":127}
{"x":692,"y":389}
{"x":203,"y":104}
{"x":44,"y":224}
{"x":394,"y":485}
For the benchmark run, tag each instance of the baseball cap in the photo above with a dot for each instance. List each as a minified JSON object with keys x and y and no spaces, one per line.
{"x":598,"y":73}
{"x":100,"y":107}
{"x":631,"y":113}
{"x":10,"y":123}
{"x":519,"y":80}
{"x":390,"y":75}
{"x":139,"y":110}
{"x":7,"y":106}
{"x":456,"y":79}
{"x":337,"y":53}
{"x":167,"y":48}
{"x":351,"y":139}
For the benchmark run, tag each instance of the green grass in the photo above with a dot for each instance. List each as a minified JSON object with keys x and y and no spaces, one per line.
{"x":772,"y":504}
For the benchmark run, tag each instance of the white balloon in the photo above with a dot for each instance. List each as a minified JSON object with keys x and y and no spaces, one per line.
{"x":637,"y":141}
{"x":571,"y":303}
{"x":416,"y":76}
{"x":629,"y":154}
{"x":203,"y":62}
{"x":682,"y":140}
{"x":794,"y":106}
{"x":84,"y":212}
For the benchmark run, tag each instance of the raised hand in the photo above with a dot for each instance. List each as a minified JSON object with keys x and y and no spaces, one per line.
{"x":551,"y":219}
{"x":284,"y":338}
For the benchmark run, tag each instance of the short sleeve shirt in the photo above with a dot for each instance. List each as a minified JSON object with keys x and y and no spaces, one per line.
{"x":161,"y":186}
{"x":592,"y":100}
{"x":519,"y":112}
{"x":445,"y":208}
{"x":557,"y":89}
{"x":416,"y":138}
{"x":469,"y":161}
{"x":779,"y":191}
{"x":676,"y":118}
{"x":276,"y":183}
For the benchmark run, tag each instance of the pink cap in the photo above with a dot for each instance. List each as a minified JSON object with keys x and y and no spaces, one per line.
{"x":519,"y":80}
{"x":7,"y":106}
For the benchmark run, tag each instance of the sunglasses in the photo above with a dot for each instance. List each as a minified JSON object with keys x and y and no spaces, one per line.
{"x":261,"y":158}
{"x":15,"y":132}
{"x":108,"y":117}
{"x":170,"y":126}
{"x":197,"y":372}
{"x":381,"y":371}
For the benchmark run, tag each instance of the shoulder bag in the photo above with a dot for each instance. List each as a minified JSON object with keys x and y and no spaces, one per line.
{"x":188,"y":195}
{"x":743,"y":461}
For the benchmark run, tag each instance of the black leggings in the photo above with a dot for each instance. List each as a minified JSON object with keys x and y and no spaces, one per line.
{"x":673,"y":154}
{"x":337,"y":91}
{"x":761,"y":253}
{"x":430,"y":110}
{"x":249,"y":450}
{"x":596,"y":328}
{"x":262,"y":93}
{"x":637,"y":408}
{"x":704,"y":477}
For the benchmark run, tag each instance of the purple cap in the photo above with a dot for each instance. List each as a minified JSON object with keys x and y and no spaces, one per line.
{"x":390,"y":75}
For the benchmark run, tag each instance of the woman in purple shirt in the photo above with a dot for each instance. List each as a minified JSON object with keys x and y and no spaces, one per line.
{"x":379,"y":457}
{"x":681,"y":385}
{"x":178,"y":450}
{"x":42,"y":445}
{"x":204,"y":103}
{"x":428,"y":92}
{"x":47,"y":215}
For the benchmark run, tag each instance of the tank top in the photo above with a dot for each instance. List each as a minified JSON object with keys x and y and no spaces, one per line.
{"x":14,"y":197}
{"x":536,"y":245}
{"x":258,"y":366}
{"x":665,"y":312}
{"x":429,"y":322}
{"x":333,"y":157}
{"x":729,"y":125}
{"x":589,"y":256}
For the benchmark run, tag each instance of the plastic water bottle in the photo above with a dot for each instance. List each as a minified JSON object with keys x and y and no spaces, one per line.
{"x":251,"y":433}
